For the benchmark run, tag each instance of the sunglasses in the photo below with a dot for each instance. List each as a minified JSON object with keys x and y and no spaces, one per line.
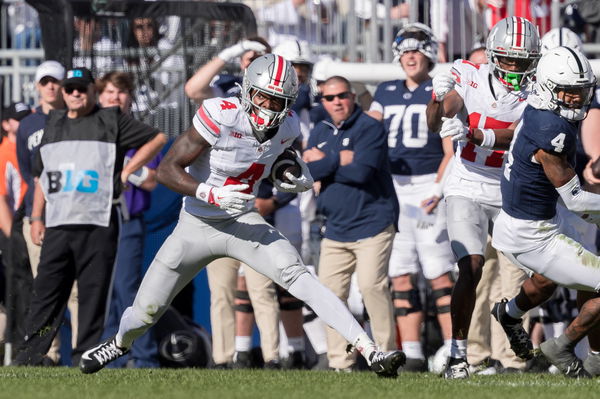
{"x":342,"y":96}
{"x":47,"y":79}
{"x":79,"y":88}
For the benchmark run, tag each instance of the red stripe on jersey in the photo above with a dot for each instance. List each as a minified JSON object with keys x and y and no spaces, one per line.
{"x":209,"y":122}
{"x":490,"y":123}
{"x":279,"y":65}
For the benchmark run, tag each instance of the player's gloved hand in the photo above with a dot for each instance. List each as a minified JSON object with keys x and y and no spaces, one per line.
{"x":228,"y":197}
{"x":452,"y":127}
{"x":240,"y":48}
{"x":443,"y":83}
{"x":297,"y":184}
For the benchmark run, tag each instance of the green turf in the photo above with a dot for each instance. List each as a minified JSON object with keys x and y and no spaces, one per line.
{"x":48,"y":383}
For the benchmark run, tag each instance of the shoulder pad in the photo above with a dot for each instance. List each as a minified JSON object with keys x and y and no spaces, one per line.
{"x":223,"y":111}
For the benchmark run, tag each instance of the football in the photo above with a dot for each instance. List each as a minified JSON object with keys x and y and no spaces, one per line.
{"x":286,"y":162}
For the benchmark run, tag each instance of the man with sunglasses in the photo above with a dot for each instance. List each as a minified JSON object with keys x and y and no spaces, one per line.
{"x":418,"y":159}
{"x":348,"y":155}
{"x":48,"y":77}
{"x":493,"y":96}
{"x":80,"y":175}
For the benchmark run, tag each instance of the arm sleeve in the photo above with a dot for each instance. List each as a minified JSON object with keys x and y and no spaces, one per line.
{"x":369,"y":147}
{"x":133,"y":133}
{"x":578,"y":200}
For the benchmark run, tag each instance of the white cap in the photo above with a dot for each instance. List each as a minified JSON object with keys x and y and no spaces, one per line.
{"x":50,"y":68}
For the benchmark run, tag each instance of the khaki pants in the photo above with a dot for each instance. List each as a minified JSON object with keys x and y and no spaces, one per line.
{"x":222,"y":279}
{"x":34,"y":252}
{"x":370,"y":259}
{"x":500,"y":279}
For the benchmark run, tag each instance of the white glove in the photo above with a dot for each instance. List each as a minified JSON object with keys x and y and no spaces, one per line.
{"x":298,"y":184}
{"x":442,"y":84}
{"x":240,"y":48}
{"x":228,"y":197}
{"x":452,"y":127}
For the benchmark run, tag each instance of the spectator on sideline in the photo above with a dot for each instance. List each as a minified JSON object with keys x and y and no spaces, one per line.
{"x":80,"y":173}
{"x":116,"y":89}
{"x":48,"y":77}
{"x":347,"y":154}
{"x":12,"y":184}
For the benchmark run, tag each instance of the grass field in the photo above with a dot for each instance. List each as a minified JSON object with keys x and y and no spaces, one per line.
{"x":64,"y":383}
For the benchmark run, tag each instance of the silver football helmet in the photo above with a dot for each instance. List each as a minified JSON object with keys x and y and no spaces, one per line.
{"x":295,"y":51}
{"x":560,"y":37}
{"x":513,"y":39}
{"x":565,"y":83}
{"x":272,"y":75}
{"x":419,"y":37}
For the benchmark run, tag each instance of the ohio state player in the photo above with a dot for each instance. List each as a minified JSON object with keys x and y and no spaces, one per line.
{"x":493,"y":96}
{"x":229,"y":149}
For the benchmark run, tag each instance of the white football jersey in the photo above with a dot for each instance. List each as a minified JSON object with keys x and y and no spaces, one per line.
{"x":489,"y":105}
{"x":236,"y":157}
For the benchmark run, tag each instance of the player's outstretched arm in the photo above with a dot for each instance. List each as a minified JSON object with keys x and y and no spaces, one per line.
{"x":171,"y":170}
{"x":563,"y":177}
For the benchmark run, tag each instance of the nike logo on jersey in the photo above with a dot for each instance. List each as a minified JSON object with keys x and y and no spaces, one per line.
{"x":321,"y":145}
{"x":428,"y":88}
{"x":285,"y":141}
{"x":391,"y":88}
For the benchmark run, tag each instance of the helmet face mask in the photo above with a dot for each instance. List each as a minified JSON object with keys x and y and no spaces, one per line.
{"x":513,"y":41}
{"x":565,"y":83}
{"x":272,"y":79}
{"x":416,"y":37}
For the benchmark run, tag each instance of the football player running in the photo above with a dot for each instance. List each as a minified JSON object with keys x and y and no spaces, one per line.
{"x":418,"y":158}
{"x":217,"y":164}
{"x":538,"y":172}
{"x":493,"y":96}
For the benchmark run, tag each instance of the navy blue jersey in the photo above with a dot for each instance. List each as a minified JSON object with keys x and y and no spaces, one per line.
{"x":413,"y":149}
{"x":227,"y":85}
{"x":526,"y":191}
{"x":304,"y":100}
{"x":29,"y":137}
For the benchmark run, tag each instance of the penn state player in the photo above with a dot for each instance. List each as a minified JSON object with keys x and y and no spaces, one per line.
{"x":539,"y":170}
{"x":217,"y":164}
{"x":418,"y":158}
{"x":493,"y":96}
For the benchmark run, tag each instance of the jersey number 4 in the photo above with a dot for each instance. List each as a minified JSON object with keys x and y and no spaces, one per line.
{"x":250,"y":176}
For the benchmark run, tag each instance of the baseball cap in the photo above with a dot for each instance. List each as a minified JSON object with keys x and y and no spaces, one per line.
{"x":16,"y":111}
{"x":79,"y":76}
{"x":50,"y":68}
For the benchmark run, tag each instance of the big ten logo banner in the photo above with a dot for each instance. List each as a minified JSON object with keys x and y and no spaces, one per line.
{"x":69,"y":179}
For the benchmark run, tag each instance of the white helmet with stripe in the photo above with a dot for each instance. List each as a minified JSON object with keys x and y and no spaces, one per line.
{"x":272,"y":75}
{"x":565,"y":83}
{"x":514,"y":40}
{"x":416,"y":37}
{"x":561,"y":37}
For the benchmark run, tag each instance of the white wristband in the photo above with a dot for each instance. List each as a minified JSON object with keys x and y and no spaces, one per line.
{"x":437,"y":190}
{"x":489,"y":138}
{"x":138,"y":177}
{"x":204,"y":193}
